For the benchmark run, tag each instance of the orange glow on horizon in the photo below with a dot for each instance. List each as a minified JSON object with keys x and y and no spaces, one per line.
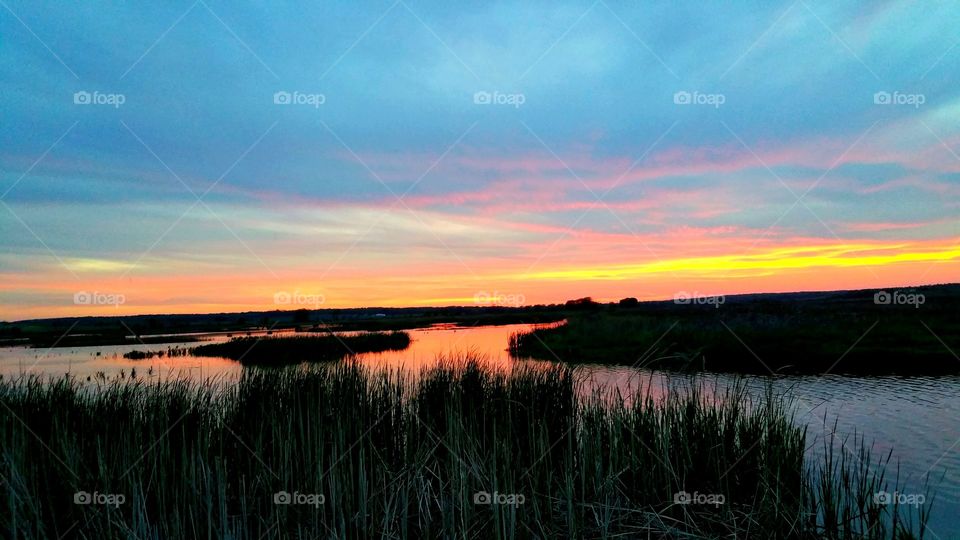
{"x":486,"y":282}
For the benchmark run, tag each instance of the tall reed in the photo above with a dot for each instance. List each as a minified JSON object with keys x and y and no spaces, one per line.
{"x":458,"y":451}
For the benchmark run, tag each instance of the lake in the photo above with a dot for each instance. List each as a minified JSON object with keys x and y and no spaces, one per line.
{"x":915,"y":417}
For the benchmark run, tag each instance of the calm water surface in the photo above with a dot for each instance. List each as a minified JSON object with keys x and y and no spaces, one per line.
{"x":916,"y":417}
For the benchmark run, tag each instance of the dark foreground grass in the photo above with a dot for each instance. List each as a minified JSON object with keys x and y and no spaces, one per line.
{"x":461,"y":452}
{"x":294,"y":350}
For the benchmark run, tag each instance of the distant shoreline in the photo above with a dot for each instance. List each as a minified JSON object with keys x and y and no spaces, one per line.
{"x":393,"y":312}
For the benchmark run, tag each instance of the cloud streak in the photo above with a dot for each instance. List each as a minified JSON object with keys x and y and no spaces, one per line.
{"x":494,"y":193}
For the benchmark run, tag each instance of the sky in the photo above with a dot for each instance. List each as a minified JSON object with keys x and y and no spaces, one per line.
{"x":214,"y":156}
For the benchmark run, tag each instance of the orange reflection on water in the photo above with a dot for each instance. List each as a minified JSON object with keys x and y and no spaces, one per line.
{"x":487,"y":344}
{"x":83,"y":362}
{"x":428,"y":346}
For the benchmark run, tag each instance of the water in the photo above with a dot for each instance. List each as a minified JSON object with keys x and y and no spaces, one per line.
{"x":913,"y":416}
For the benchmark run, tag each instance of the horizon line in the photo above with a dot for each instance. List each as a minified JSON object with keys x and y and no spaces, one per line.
{"x":488,"y":306}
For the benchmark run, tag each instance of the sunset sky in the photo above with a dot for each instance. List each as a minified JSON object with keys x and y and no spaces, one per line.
{"x":409,"y":153}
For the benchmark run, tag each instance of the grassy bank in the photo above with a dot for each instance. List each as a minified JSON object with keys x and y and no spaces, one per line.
{"x":294,"y":350}
{"x":841,"y":332}
{"x":460,"y":452}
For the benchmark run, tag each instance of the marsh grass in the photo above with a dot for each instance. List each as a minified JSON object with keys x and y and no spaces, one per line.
{"x":402,"y":456}
{"x":792,"y":339}
{"x":171,"y":352}
{"x":282,"y":350}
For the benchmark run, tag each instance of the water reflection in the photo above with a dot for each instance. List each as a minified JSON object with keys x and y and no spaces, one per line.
{"x":489,"y":343}
{"x":445,"y":341}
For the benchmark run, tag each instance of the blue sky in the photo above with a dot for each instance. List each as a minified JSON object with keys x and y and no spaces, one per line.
{"x":98,"y":195}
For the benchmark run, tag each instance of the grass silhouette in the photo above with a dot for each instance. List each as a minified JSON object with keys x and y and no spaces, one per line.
{"x":294,"y":350}
{"x":460,"y":450}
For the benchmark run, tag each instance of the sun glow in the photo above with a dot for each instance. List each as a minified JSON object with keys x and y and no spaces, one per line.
{"x":739,"y":265}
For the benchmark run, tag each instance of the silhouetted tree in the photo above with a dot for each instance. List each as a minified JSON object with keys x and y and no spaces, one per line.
{"x":582,"y":303}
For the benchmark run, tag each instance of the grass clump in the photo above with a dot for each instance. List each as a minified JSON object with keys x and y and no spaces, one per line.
{"x":294,"y":350}
{"x":457,"y":451}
